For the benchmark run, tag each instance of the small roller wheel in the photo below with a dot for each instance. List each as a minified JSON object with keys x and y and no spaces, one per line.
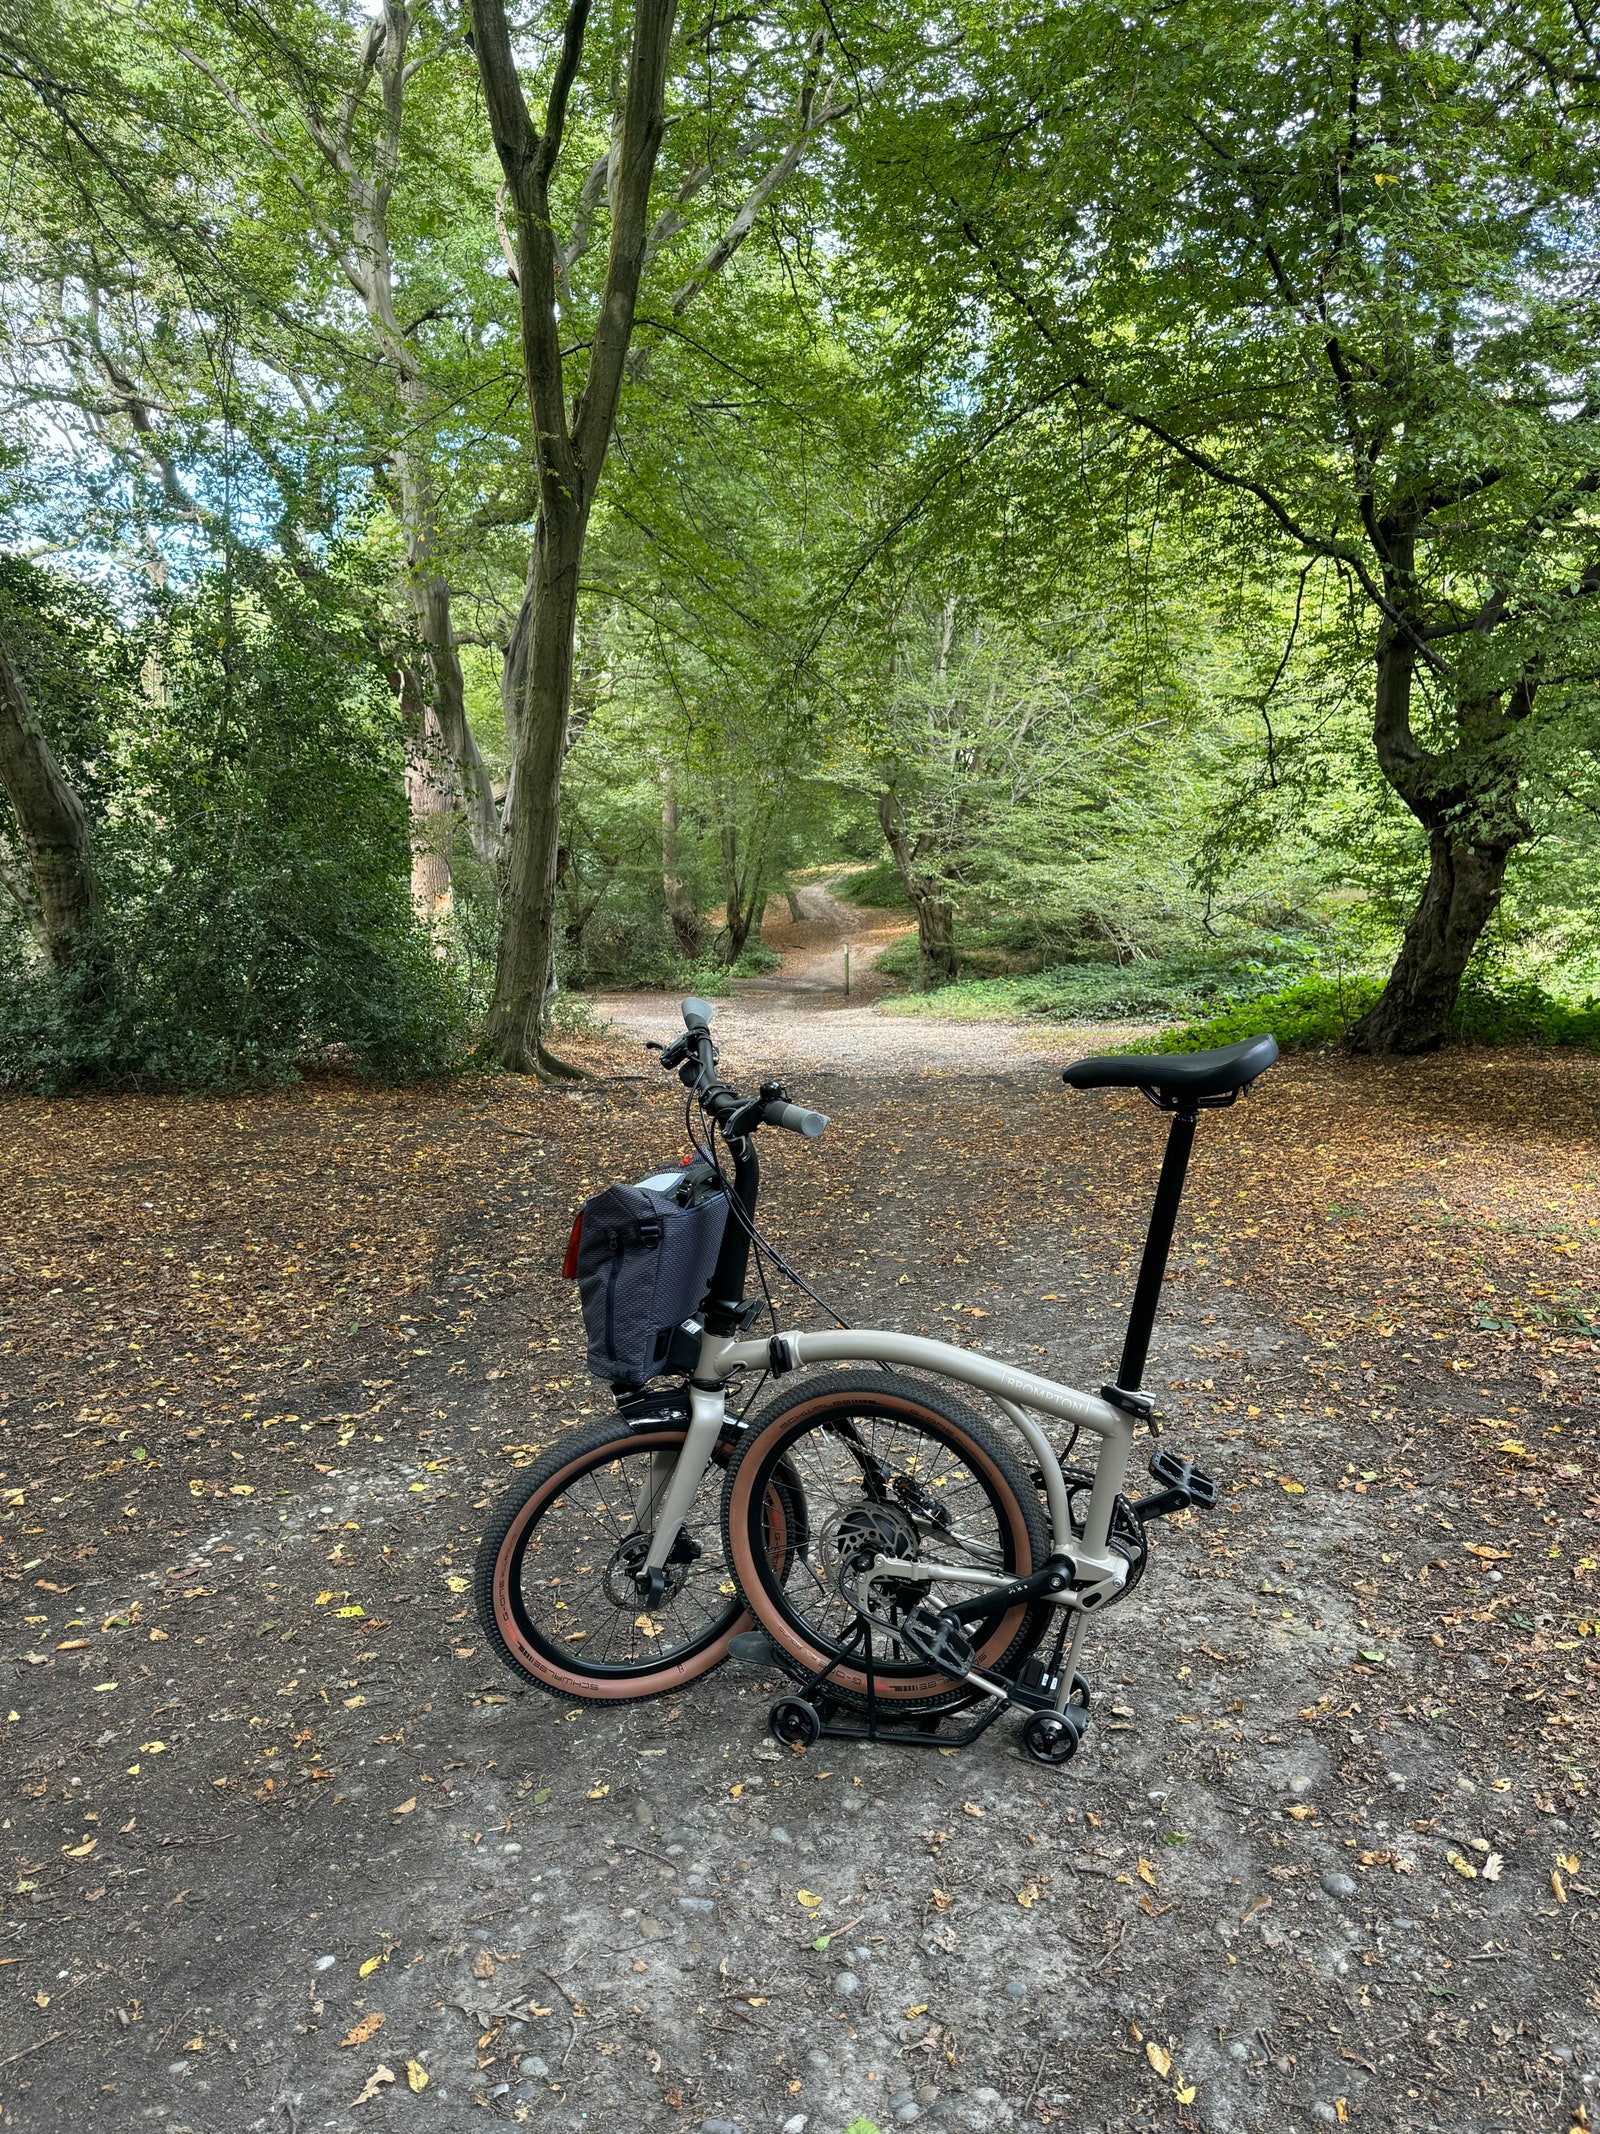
{"x":794,"y":1723}
{"x":1050,"y":1737}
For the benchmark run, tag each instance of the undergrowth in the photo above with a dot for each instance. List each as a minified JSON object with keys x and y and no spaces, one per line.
{"x":1318,"y":1010}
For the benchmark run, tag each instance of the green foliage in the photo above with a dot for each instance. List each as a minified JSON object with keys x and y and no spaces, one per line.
{"x":874,"y":888}
{"x":1318,"y":1011}
{"x":253,"y":852}
{"x":1145,"y":988}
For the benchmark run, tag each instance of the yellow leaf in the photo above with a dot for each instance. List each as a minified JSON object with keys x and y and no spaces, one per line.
{"x":350,"y":1611}
{"x":806,"y":1897}
{"x":241,"y":1489}
{"x":920,"y":2009}
{"x":416,"y":2077}
{"x":1184,"y":2092}
{"x":1511,"y":1445}
{"x":152,"y":1748}
{"x":1302,"y":1811}
{"x":1294,"y":1489}
{"x":350,"y":1703}
{"x":195,"y":2045}
{"x":1341,"y":2106}
{"x":1476,"y":1548}
{"x":456,"y":1585}
{"x":597,"y":1793}
{"x":1148,"y":1874}
{"x":1462,"y":1866}
{"x":1160,"y":2060}
{"x":1027,"y":1897}
{"x":323,"y":1599}
{"x":368,"y":2027}
{"x":406,"y":1807}
{"x":1568,"y":1860}
{"x":370,"y":1966}
{"x":648,"y":1625}
{"x":82,"y":1852}
{"x":158,"y":1637}
{"x":1556,"y":1884}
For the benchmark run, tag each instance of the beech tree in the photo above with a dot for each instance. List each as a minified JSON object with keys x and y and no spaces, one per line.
{"x":1321,"y":274}
{"x":754,"y":94}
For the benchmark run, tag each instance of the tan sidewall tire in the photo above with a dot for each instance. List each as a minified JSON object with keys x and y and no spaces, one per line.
{"x":529,"y":1660}
{"x":900,"y":1689}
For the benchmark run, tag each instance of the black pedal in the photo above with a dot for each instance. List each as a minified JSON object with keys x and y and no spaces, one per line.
{"x":1185,"y":1488}
{"x":941,"y":1640}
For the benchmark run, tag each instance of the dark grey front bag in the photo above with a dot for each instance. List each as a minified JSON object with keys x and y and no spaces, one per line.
{"x":644,"y":1263}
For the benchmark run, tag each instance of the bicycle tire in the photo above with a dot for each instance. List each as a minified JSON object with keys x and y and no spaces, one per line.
{"x":529,"y":1647}
{"x":764,"y":1576}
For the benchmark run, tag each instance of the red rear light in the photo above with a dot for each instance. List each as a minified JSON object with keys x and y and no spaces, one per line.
{"x":569,"y":1266}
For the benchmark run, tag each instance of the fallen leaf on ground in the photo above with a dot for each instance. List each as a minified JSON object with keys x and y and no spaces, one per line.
{"x":375,"y":2081}
{"x":406,"y":1807}
{"x":368,"y":2027}
{"x":1159,"y":2059}
{"x":416,"y":2077}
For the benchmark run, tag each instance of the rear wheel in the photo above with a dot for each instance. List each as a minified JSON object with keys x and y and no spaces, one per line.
{"x":906,"y":1471}
{"x":555,"y":1580}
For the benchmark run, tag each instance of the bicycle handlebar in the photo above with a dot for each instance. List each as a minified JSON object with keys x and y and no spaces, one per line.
{"x":795,"y":1118}
{"x":695,"y":1057}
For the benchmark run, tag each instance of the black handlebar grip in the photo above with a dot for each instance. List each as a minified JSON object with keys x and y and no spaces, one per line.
{"x":796,"y":1118}
{"x":697,"y":1013}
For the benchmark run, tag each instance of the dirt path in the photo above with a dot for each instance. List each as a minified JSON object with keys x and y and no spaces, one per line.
{"x":798,"y":1020}
{"x":275,"y":1831}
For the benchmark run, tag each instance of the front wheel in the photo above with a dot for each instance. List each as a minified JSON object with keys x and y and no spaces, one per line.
{"x":891,"y":1470}
{"x":555,"y":1581}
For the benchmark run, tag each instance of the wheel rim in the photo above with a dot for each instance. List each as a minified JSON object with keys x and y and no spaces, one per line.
{"x":570,"y":1544}
{"x":939,"y":1475}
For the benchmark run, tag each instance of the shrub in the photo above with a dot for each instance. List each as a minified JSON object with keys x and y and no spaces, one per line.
{"x":1318,"y":1010}
{"x":253,"y":849}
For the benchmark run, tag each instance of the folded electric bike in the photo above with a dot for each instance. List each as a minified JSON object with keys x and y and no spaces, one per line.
{"x":912,"y":1568}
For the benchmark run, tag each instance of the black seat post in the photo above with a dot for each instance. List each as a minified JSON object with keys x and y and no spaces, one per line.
{"x":1157,"y":1244}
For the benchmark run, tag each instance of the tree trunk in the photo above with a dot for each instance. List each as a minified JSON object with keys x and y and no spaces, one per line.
{"x":428,"y":593}
{"x":680,"y":908}
{"x":428,"y":798}
{"x":793,"y":902}
{"x":930,"y":900}
{"x":1466,"y":800}
{"x":54,"y":828}
{"x":571,"y":436}
{"x":1412,"y":1014}
{"x":936,"y":940}
{"x":738,"y":908}
{"x":522,"y":968}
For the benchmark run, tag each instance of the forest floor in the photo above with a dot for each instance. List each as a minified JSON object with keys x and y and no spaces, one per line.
{"x":281,"y":1849}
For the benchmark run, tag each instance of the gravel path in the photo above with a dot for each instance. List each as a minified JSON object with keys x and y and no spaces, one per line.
{"x":797,"y":1019}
